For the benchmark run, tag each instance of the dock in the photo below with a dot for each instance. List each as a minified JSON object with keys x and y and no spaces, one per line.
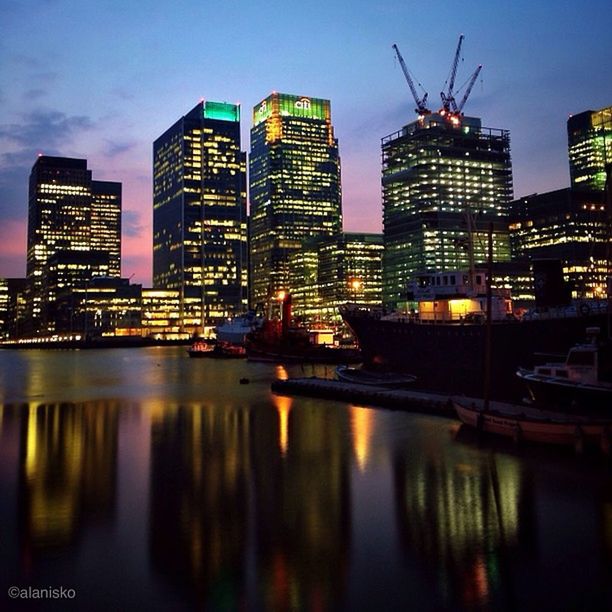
{"x":397,"y":399}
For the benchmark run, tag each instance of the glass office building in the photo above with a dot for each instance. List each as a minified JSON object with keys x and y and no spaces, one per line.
{"x":445,"y":179}
{"x":589,"y":136}
{"x":74,"y":232}
{"x":569,"y":225}
{"x":294,"y":186}
{"x":332,"y":270}
{"x":199,"y":213}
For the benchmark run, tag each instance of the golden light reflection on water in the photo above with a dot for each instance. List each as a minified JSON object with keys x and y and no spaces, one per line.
{"x":281,"y":372}
{"x":283,"y":408}
{"x":362,"y":427}
{"x":243,"y":483}
{"x":68,"y":460}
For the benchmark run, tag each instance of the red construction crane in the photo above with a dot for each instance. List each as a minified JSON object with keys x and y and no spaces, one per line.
{"x":421,"y":108}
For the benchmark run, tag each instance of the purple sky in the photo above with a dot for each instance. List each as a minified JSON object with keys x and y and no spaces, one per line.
{"x":102,"y":80}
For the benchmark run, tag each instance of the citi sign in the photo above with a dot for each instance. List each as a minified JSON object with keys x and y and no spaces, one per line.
{"x":302,"y":104}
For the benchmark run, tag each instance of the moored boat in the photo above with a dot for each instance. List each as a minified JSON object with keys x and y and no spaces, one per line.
{"x":443,"y":341}
{"x":234,"y":331}
{"x":281,"y":341}
{"x":581,"y":383}
{"x":372,"y":378}
{"x":201,"y":348}
{"x":524,"y":423}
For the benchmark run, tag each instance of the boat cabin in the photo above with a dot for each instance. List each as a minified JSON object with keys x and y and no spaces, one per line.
{"x":450,"y":296}
{"x":587,"y":363}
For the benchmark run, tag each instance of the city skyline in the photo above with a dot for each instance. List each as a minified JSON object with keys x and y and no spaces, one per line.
{"x":78,"y":96}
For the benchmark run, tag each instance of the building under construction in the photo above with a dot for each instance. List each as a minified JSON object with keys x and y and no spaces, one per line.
{"x":445,"y":180}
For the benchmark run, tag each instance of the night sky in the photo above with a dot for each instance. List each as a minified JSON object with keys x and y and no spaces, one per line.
{"x":102,"y":80}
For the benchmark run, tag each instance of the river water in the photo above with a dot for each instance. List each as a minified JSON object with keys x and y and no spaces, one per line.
{"x":142,"y":479}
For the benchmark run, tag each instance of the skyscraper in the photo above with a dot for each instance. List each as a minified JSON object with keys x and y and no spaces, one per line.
{"x":74,"y":232}
{"x":294,"y":185}
{"x":444,"y":179}
{"x":199,"y":213}
{"x":589,"y":136}
{"x":332,"y":270}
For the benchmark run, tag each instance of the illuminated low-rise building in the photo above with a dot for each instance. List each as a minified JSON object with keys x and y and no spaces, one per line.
{"x":589,"y":137}
{"x":294,"y":184}
{"x":570,"y":225}
{"x":445,"y":179}
{"x":72,"y":218}
{"x":330,"y":271}
{"x":199,"y":214}
{"x":109,"y":307}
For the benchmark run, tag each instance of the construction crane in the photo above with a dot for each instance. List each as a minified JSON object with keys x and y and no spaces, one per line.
{"x":459,"y":108}
{"x":448,"y":99}
{"x":421,"y":108}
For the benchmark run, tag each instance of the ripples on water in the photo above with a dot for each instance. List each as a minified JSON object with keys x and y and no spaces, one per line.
{"x":142,"y":478}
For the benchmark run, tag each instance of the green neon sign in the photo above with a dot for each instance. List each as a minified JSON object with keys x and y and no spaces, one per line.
{"x":287,"y":105}
{"x":221,"y":111}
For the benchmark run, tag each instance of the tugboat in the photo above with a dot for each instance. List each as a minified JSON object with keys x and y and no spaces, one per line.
{"x":279,"y":341}
{"x":582,"y":383}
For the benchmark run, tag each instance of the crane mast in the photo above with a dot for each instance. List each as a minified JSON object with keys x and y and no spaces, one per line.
{"x":448,"y":99}
{"x":421,"y":108}
{"x":468,"y":91}
{"x":451,"y":110}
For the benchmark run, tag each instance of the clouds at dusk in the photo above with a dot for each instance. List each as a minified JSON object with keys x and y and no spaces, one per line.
{"x":101,"y":81}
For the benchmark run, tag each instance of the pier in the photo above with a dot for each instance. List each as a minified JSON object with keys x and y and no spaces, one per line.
{"x":397,"y":399}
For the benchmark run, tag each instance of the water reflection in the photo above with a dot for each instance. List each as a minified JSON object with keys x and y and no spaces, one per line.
{"x":236,"y":517}
{"x":362,"y":427}
{"x":302,"y":519}
{"x":283,"y":407}
{"x":199,"y":498}
{"x":196,"y":491}
{"x":463,"y":516}
{"x":67,"y":470}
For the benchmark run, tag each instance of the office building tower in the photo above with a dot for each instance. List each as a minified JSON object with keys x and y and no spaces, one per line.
{"x":329,"y":271}
{"x":568,"y":225}
{"x":294,"y":186}
{"x":589,"y":136}
{"x":74,"y":232}
{"x":199,"y":214}
{"x":445,"y":179}
{"x":106,"y":223}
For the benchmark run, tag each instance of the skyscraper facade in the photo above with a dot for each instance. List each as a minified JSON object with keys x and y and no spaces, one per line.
{"x":294,"y":186}
{"x":332,"y":270}
{"x":74,"y":232}
{"x":571,"y":226}
{"x":199,"y":213}
{"x":589,"y":136}
{"x":445,"y":179}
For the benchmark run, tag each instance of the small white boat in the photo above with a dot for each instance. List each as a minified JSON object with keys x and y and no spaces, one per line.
{"x":377,"y":379}
{"x":581,"y":383}
{"x":525,"y":423}
{"x":234,"y":331}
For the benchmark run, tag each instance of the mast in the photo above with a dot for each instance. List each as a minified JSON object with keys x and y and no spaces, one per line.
{"x":608,"y":202}
{"x":489,"y":323}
